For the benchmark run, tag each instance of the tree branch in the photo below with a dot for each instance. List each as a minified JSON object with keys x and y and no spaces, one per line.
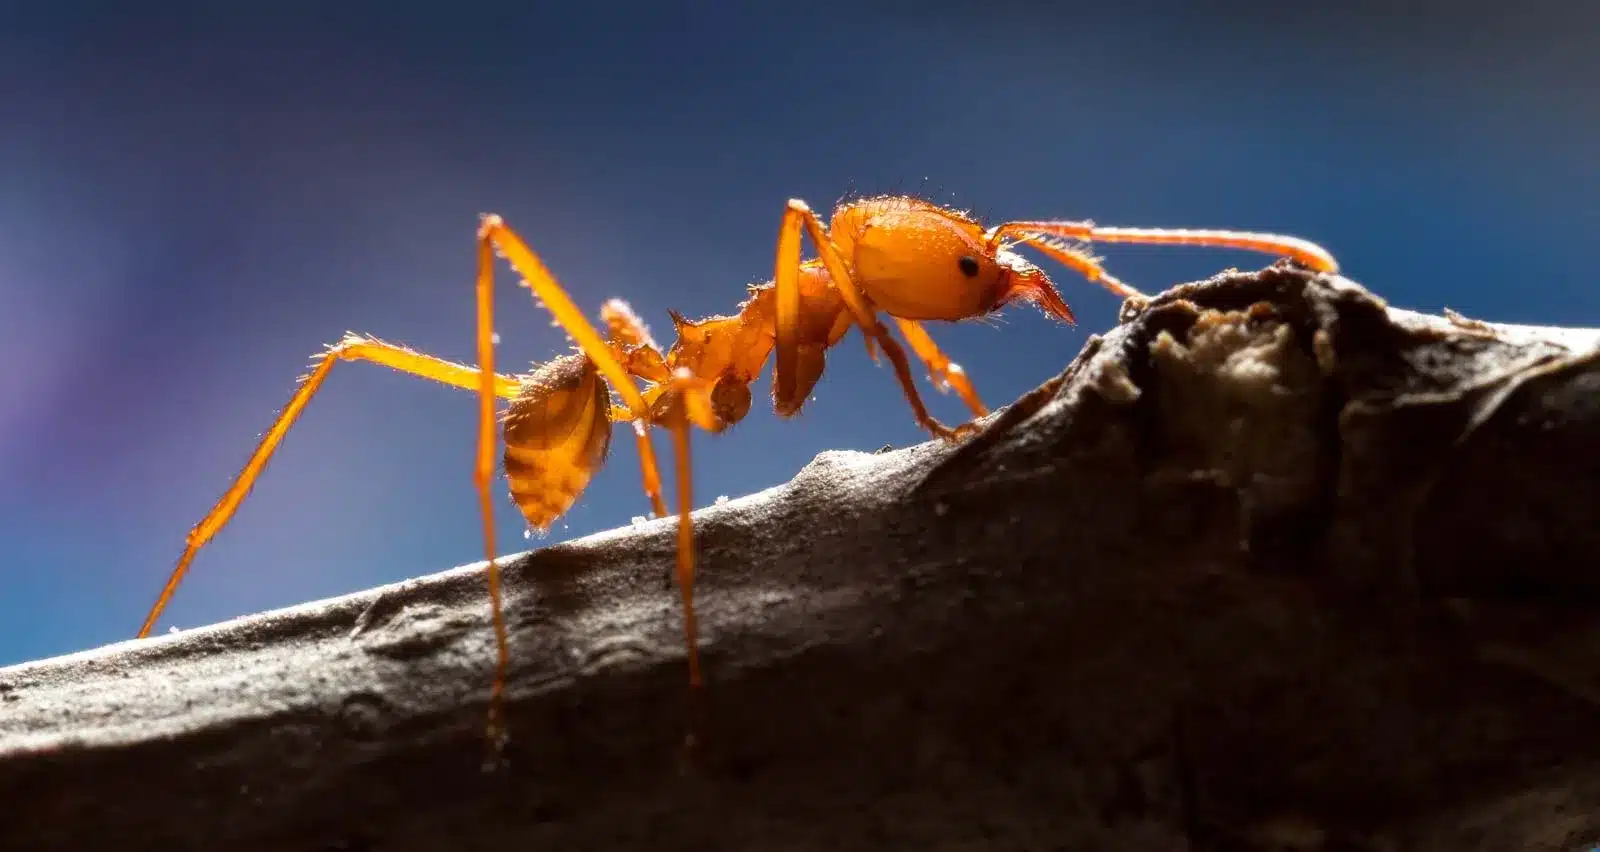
{"x":1269,"y":566}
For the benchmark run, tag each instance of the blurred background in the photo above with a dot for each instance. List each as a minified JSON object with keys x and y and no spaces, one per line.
{"x":195,"y":198}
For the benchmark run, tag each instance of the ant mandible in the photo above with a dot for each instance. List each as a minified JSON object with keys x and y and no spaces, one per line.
{"x":911,"y":259}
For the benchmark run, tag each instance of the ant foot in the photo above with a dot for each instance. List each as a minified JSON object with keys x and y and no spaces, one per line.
{"x":965,"y":430}
{"x":691,"y":757}
{"x":949,"y":435}
{"x":494,"y":759}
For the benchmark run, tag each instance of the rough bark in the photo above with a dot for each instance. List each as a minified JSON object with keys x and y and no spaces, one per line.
{"x":1269,"y":566}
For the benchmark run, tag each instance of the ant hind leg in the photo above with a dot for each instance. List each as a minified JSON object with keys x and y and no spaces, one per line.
{"x":493,"y":235}
{"x":352,"y":347}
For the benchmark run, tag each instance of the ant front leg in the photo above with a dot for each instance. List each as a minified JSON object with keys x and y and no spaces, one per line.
{"x":944,"y":372}
{"x":798,"y":215}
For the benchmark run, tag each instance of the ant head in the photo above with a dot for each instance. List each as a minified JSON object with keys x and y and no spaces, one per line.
{"x":919,"y":261}
{"x":1022,"y":281}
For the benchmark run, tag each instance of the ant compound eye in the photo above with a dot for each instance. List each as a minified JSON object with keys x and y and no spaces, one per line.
{"x":969,"y":265}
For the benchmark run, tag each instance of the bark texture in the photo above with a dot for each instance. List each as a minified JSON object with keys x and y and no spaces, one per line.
{"x":1269,"y":566}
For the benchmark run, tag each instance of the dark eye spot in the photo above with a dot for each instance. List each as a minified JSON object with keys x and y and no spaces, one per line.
{"x":969,"y":265}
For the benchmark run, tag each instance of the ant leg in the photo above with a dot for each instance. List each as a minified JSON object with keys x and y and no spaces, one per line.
{"x":353,"y":347}
{"x":482,"y":471}
{"x":693,"y":406}
{"x":944,"y":372}
{"x":494,"y":234}
{"x":646,"y":362}
{"x":689,"y":404}
{"x":651,"y":471}
{"x":787,"y":320}
{"x":651,"y":478}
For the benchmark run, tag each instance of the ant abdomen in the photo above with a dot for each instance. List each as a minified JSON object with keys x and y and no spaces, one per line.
{"x":557,"y":434}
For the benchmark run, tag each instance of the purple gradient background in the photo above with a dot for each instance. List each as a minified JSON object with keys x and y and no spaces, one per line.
{"x":193,"y":201}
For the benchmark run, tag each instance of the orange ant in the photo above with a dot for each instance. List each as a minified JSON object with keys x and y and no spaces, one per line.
{"x":911,"y":259}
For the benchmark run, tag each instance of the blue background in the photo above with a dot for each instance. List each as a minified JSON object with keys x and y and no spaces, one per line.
{"x":195,"y":198}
